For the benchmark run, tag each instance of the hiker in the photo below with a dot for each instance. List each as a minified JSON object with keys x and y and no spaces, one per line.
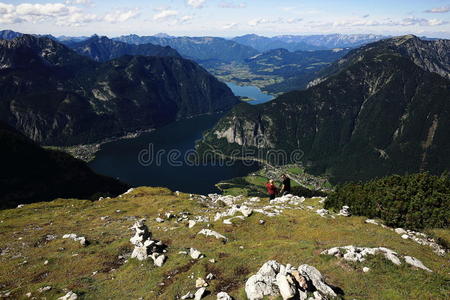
{"x":271,"y":189}
{"x":286,"y":185}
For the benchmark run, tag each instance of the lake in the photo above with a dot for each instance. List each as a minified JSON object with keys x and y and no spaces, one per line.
{"x":250,"y":91}
{"x":147,"y":160}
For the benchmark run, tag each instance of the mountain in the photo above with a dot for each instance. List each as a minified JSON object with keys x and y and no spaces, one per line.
{"x":58,"y":97}
{"x":296,"y":68}
{"x":9,"y":34}
{"x":103,"y":49}
{"x":307,"y":42}
{"x":200,"y":49}
{"x":380,"y":112}
{"x":263,"y":44}
{"x":31,"y":173}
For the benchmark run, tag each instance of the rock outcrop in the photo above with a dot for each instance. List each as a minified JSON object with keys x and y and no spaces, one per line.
{"x":275,"y":279}
{"x":359,"y":254}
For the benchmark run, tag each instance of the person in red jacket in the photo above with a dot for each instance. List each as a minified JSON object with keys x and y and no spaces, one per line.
{"x":271,"y":189}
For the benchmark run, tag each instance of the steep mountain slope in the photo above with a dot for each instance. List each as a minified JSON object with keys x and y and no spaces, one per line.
{"x":200,"y":49}
{"x":56,"y":96}
{"x":306,"y":42}
{"x":31,"y":174}
{"x":379,"y":114}
{"x":103,"y":49}
{"x":430,"y":55}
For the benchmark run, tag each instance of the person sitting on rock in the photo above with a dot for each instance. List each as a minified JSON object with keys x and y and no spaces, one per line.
{"x":271,"y":189}
{"x":286,"y":185}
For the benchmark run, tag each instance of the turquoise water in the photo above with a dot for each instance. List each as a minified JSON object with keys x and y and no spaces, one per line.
{"x":145,"y":161}
{"x":251,"y":92}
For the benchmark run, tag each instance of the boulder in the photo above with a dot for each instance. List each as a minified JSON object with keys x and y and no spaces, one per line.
{"x":69,"y":296}
{"x":200,"y":282}
{"x":315,"y":277}
{"x":144,"y":246}
{"x":416,"y":263}
{"x":223,"y":296}
{"x":189,"y":295}
{"x":200,"y":293}
{"x":195,"y":254}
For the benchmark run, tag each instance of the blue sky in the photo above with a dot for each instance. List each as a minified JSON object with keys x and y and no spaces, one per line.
{"x":227,"y":17}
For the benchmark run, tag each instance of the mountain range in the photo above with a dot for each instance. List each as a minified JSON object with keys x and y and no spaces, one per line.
{"x":307,"y":42}
{"x":382,"y":109}
{"x":103,"y":49}
{"x":199,"y":49}
{"x":59,"y":97}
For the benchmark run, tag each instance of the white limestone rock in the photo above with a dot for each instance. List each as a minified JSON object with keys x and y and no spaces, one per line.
{"x":223,"y":296}
{"x":416,"y":263}
{"x":200,"y":293}
{"x":209,"y":232}
{"x":69,"y":296}
{"x":195,"y":254}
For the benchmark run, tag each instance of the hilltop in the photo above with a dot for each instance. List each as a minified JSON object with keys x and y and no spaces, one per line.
{"x":36,"y":259}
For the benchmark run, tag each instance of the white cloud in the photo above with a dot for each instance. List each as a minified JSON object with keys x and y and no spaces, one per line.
{"x":59,"y":13}
{"x":185,"y":19}
{"x":232,"y":5}
{"x":439,"y":10}
{"x":196,"y":3}
{"x":280,"y":20}
{"x":230,"y":26}
{"x":165,"y":14}
{"x":79,"y":2}
{"x":120,"y":16}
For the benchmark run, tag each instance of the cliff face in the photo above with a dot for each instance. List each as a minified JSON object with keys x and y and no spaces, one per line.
{"x":58,"y":97}
{"x":378,"y":114}
{"x":32,"y":174}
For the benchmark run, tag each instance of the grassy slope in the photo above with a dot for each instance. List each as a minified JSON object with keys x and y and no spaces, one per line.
{"x":296,"y":237}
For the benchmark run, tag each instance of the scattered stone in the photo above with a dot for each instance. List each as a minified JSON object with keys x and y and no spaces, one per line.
{"x":118,"y":211}
{"x":44,"y":289}
{"x":323,"y":212}
{"x":160,"y":260}
{"x":262,"y":222}
{"x":195,"y":254}
{"x":145,"y":247}
{"x":189,"y":295}
{"x":28,"y":295}
{"x":200,"y":293}
{"x":45,"y":262}
{"x":416,"y":263}
{"x":371,"y":221}
{"x":223,"y":296}
{"x":358,"y":254}
{"x":230,"y":220}
{"x":400,"y":231}
{"x":200,"y":282}
{"x":191,"y":223}
{"x":366,"y":269}
{"x":159,"y":220}
{"x":275,"y":279}
{"x":405,"y":236}
{"x":20,"y":205}
{"x":105,"y":218}
{"x":177,"y":193}
{"x":69,"y":296}
{"x":212,"y":260}
{"x":345,"y":211}
{"x":210,"y":276}
{"x":81,"y":239}
{"x":209,"y":232}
